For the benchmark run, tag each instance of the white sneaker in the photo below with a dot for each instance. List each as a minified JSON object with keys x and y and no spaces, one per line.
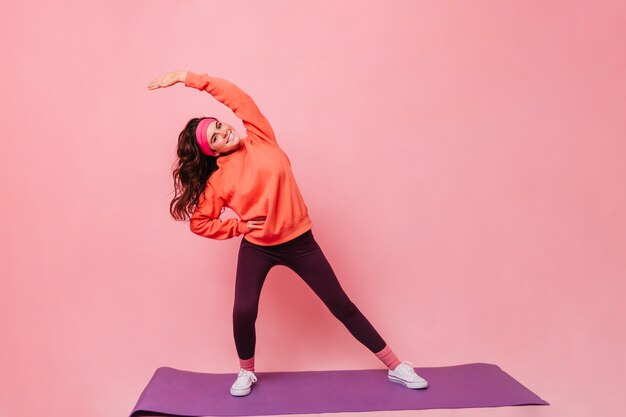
{"x":405,"y":374}
{"x":243,"y":384}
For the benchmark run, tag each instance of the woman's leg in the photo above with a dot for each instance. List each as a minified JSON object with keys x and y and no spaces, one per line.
{"x":253,"y":264}
{"x":308,"y":261}
{"x":304,"y":256}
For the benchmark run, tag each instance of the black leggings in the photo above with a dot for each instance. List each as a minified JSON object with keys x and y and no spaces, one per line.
{"x":304,"y":256}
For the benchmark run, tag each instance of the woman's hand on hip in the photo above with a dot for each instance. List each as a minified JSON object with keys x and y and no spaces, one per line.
{"x":255,"y":224}
{"x":168,"y":79}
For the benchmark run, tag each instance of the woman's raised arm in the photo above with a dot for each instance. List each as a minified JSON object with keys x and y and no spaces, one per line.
{"x":226,"y":93}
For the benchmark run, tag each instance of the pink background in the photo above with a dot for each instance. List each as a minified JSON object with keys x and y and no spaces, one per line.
{"x":463,"y":163}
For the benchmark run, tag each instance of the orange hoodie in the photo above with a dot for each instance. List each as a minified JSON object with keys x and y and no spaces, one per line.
{"x":254,"y":181}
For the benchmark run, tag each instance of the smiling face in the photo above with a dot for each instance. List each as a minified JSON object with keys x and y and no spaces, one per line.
{"x":222,"y":138}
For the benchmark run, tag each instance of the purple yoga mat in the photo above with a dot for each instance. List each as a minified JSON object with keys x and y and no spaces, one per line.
{"x":185,"y":393}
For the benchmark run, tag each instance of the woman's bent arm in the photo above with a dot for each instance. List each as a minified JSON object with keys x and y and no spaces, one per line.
{"x":205,"y":219}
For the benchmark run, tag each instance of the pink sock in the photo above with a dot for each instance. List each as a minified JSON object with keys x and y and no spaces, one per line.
{"x":247,"y":364}
{"x":388,"y":357}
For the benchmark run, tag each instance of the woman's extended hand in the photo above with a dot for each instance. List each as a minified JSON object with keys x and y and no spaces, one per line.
{"x":168,"y":79}
{"x":255,"y":224}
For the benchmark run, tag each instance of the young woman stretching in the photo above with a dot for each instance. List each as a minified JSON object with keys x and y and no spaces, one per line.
{"x":252,"y":175}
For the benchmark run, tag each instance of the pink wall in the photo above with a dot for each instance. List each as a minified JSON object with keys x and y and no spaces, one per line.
{"x":468,"y":155}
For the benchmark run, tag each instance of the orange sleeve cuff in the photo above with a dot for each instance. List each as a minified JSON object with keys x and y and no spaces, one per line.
{"x":194,"y":80}
{"x":242,"y":227}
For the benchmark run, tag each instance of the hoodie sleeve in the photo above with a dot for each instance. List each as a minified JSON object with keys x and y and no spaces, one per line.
{"x":205,"y":220}
{"x":237,"y":100}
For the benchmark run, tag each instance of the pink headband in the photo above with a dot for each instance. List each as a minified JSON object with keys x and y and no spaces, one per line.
{"x":201,"y":138}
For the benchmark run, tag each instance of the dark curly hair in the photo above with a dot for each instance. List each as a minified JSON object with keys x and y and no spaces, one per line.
{"x":191,"y":173}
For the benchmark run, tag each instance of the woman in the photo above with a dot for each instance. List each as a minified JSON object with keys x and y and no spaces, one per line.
{"x":252,"y":175}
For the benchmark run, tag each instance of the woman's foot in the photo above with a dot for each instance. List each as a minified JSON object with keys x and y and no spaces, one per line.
{"x":405,"y":374}
{"x":243,"y":384}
